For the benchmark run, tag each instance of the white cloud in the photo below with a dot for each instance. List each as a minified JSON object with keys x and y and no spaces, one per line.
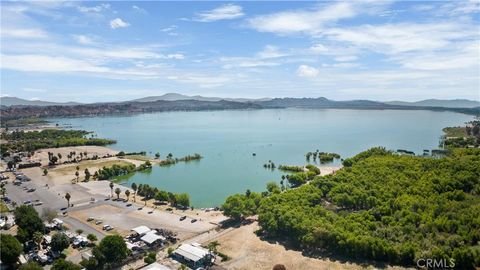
{"x":139,"y":9}
{"x":48,"y":64}
{"x":307,"y":71}
{"x":318,"y":49}
{"x":346,"y":58}
{"x":34,"y":90}
{"x":270,"y":52}
{"x":201,"y":80}
{"x":169,"y":29}
{"x":84,"y":40}
{"x":403,"y":37}
{"x":97,"y":9}
{"x":23,"y":33}
{"x":309,"y":22}
{"x":118,"y":23}
{"x":224,"y":12}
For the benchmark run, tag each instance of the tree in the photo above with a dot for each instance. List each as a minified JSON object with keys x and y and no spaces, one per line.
{"x":87,"y":174}
{"x":111,"y":188}
{"x":31,"y":266}
{"x":28,"y":222}
{"x":183,"y":199}
{"x":161,"y":196}
{"x":233,"y":207}
{"x":92,"y":238}
{"x":113,"y":249}
{"x":79,"y":231}
{"x":273,"y":188}
{"x":10,"y":249}
{"x":77,"y":174}
{"x":48,"y":214}
{"x":45,"y":172}
{"x":212,"y":246}
{"x":67,"y":197}
{"x":118,"y":191}
{"x":127,"y":193}
{"x":59,"y":242}
{"x":280,"y":266}
{"x":38,"y":238}
{"x":134,"y":187}
{"x":62,"y":264}
{"x":157,"y":155}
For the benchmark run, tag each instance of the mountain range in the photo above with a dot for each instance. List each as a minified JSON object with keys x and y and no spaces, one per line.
{"x":268,"y":102}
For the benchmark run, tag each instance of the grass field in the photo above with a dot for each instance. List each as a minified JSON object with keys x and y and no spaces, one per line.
{"x":455,"y":132}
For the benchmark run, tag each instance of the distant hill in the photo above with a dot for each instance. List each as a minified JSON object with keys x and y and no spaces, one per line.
{"x":14,"y":101}
{"x":16,"y":112}
{"x":176,"y":96}
{"x":322,"y":102}
{"x":454,"y":103}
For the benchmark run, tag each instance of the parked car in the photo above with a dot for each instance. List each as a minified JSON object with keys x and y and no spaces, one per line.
{"x":106,"y":227}
{"x":31,"y":190}
{"x":183,"y":218}
{"x":90,"y":219}
{"x":98,"y":222}
{"x":194,"y":220}
{"x":38,"y":203}
{"x":129,"y":204}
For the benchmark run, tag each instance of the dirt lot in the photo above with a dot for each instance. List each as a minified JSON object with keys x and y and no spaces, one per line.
{"x":42,"y":155}
{"x":125,"y":219}
{"x":249,"y":252}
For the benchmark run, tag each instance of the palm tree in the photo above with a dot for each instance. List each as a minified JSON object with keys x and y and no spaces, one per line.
{"x":67,"y":197}
{"x":212,"y":246}
{"x":38,"y":238}
{"x":127,"y":193}
{"x":134,"y":187}
{"x":111,"y":189}
{"x":118,"y":191}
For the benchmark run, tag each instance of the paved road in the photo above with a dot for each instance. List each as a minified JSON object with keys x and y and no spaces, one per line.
{"x":50,"y":200}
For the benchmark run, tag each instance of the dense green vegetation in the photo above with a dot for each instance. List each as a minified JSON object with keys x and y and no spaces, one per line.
{"x":115,"y":170}
{"x":110,"y":252}
{"x":10,"y":249}
{"x":323,"y":157}
{"x":22,"y":122}
{"x":28,"y":222}
{"x":291,"y":168}
{"x":19,"y":141}
{"x":149,"y":192}
{"x":460,"y":137}
{"x":381,"y":206}
{"x":170,"y":160}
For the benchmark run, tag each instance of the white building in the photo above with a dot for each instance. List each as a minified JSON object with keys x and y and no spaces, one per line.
{"x":193,"y":255}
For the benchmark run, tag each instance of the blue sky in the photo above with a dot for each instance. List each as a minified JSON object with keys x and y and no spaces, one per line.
{"x":112,"y":51}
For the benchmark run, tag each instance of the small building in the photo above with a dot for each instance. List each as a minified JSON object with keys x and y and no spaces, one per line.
{"x":193,"y":255}
{"x":152,"y":238}
{"x":141,"y":230}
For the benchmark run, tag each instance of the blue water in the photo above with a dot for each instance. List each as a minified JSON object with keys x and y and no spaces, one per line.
{"x":227,"y":140}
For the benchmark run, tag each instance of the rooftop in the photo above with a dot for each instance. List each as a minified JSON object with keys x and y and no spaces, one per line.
{"x":191,"y":252}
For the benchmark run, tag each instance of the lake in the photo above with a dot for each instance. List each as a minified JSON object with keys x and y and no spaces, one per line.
{"x":227,"y":140}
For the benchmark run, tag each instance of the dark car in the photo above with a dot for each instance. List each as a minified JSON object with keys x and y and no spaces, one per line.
{"x":129,"y":204}
{"x":31,"y":190}
{"x":63,"y":208}
{"x":183,"y":218}
{"x":194,"y":220}
{"x":140,"y":208}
